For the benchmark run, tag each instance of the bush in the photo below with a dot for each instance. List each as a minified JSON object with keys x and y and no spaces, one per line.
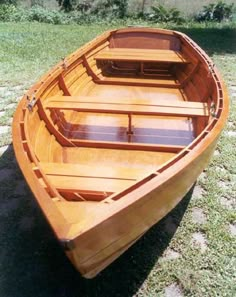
{"x":42,"y":15}
{"x":8,"y":2}
{"x":100,"y":8}
{"x":109,"y":8}
{"x":11,"y":13}
{"x":160,"y":14}
{"x":217,"y":12}
{"x":6,"y":11}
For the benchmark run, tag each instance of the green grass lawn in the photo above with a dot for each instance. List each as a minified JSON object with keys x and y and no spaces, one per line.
{"x":191,"y":252}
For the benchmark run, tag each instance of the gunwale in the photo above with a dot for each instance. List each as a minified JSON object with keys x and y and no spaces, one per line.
{"x":70,"y":234}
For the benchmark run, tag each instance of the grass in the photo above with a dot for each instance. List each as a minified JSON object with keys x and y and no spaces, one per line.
{"x":166,"y":258}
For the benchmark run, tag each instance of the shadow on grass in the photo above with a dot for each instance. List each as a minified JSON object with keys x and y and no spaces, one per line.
{"x":33,"y":264}
{"x":213,"y":40}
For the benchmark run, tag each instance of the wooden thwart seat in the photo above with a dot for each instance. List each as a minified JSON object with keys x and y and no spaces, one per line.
{"x":171,"y":108}
{"x":82,"y":178}
{"x":141,"y":55}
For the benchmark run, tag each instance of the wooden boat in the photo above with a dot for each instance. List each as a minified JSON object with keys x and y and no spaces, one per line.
{"x":114,"y":136}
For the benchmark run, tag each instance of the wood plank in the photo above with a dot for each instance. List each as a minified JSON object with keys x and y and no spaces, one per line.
{"x":142,"y":55}
{"x":127,"y":100}
{"x":78,"y":170}
{"x":128,"y":81}
{"x":80,"y":184}
{"x":128,"y":145}
{"x":135,"y":109}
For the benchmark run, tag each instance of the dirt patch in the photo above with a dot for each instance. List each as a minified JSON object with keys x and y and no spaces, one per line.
{"x":199,"y":241}
{"x":198,"y":216}
{"x":11,"y":105}
{"x":173,"y":290}
{"x":231,"y":133}
{"x":232,"y":229}
{"x":9,"y":122}
{"x":222,"y":184}
{"x":203,"y":176}
{"x":229,"y":203}
{"x":2,"y":89}
{"x":216,"y":153}
{"x":171,"y":255}
{"x":230,"y":124}
{"x":19,"y":87}
{"x":220,"y":169}
{"x":4,"y":129}
{"x":233,"y":88}
{"x":197,"y":192}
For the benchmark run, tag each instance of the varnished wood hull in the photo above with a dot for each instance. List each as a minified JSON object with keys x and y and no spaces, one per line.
{"x":100,"y":185}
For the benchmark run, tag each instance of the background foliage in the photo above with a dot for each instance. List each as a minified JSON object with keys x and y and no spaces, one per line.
{"x":87,"y":11}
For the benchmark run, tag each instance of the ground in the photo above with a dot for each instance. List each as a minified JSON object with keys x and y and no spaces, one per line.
{"x":191,"y":252}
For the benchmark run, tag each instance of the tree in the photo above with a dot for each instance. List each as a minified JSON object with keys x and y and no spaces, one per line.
{"x":122,"y":7}
{"x":67,"y":5}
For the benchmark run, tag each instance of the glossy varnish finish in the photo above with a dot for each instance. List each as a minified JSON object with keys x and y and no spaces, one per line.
{"x":114,"y":136}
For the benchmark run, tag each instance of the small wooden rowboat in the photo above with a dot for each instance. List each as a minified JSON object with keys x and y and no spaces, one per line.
{"x":114,"y":136}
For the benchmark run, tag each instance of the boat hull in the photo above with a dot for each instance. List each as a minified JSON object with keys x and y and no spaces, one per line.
{"x":96,"y":211}
{"x":112,"y":238}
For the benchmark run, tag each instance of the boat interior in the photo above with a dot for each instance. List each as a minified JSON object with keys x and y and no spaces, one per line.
{"x":116,"y":113}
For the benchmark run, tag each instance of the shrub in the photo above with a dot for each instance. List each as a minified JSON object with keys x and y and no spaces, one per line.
{"x":216,"y":12}
{"x":160,"y":14}
{"x":11,"y":13}
{"x":8,"y":2}
{"x":100,"y":8}
{"x":6,"y":11}
{"x":42,"y":15}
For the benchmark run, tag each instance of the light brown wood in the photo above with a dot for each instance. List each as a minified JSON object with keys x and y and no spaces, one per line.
{"x":68,"y":169}
{"x":114,"y":137}
{"x":128,"y":146}
{"x":127,"y":81}
{"x":186,"y":109}
{"x":141,"y":55}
